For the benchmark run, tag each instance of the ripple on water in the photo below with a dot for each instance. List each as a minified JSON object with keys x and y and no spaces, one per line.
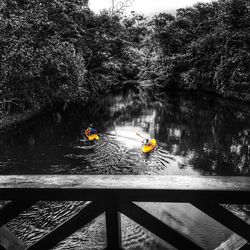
{"x":91,"y":236}
{"x":135,"y":236}
{"x":42,"y":217}
{"x":100,"y":157}
{"x":106,"y":156}
{"x":110,"y":156}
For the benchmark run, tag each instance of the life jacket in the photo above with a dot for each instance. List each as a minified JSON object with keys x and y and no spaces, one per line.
{"x":87,"y":131}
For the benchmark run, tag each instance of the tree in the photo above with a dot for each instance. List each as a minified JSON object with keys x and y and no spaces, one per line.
{"x":118,"y":7}
{"x":206,"y":46}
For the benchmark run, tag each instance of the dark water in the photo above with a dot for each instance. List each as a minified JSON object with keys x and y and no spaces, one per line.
{"x":196,"y":135}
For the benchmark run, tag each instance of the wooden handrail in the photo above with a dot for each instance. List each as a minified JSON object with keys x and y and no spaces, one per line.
{"x":115,"y":194}
{"x":130,"y":187}
{"x":173,"y":182}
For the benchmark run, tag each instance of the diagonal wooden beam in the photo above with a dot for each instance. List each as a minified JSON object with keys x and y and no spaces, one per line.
{"x":13,"y":209}
{"x":226,"y":218}
{"x":77,"y":221}
{"x":9,"y":240}
{"x":157,"y":227}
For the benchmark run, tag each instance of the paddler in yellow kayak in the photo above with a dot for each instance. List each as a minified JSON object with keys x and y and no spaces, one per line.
{"x":91,"y":133}
{"x":149,"y":145}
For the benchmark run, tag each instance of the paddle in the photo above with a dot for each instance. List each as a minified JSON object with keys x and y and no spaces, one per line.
{"x":137,"y":133}
{"x":144,"y":139}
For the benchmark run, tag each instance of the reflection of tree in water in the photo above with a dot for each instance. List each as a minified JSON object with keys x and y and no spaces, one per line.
{"x":213,"y":134}
{"x":130,"y":108}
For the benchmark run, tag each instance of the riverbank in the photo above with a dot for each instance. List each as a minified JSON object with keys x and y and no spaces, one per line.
{"x":227,"y":94}
{"x":10,"y":121}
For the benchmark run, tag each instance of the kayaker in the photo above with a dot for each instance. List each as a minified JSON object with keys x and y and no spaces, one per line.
{"x":147,"y":142}
{"x":90,"y":130}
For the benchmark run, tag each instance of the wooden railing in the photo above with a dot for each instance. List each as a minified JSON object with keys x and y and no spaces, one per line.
{"x":115,"y":194}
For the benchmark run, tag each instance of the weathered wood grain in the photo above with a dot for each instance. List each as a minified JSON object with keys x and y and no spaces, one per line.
{"x":123,"y":189}
{"x":126,"y":182}
{"x":130,"y":187}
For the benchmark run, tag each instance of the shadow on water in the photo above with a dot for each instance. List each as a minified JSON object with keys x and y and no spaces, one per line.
{"x":196,"y":135}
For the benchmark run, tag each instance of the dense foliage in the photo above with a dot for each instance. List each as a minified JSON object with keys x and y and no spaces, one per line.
{"x":59,"y":50}
{"x":56,"y":51}
{"x":205,"y":47}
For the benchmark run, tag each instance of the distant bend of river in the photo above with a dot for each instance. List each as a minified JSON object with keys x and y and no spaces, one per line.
{"x":196,"y":135}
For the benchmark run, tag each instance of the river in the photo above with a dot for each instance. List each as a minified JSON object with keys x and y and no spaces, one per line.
{"x":196,"y":135}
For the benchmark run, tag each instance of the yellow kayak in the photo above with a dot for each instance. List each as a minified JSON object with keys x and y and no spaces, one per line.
{"x":92,"y":137}
{"x":149,"y":148}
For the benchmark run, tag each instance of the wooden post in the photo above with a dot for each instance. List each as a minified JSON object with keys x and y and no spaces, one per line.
{"x":113,"y":223}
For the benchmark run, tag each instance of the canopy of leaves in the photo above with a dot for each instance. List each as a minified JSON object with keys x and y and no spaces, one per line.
{"x":206,"y":46}
{"x":59,"y":50}
{"x":56,"y":50}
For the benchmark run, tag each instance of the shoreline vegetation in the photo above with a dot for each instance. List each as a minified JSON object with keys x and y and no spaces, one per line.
{"x":10,"y":121}
{"x":61,"y":52}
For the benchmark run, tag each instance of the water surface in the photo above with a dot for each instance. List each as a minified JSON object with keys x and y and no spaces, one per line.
{"x":196,"y":135}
